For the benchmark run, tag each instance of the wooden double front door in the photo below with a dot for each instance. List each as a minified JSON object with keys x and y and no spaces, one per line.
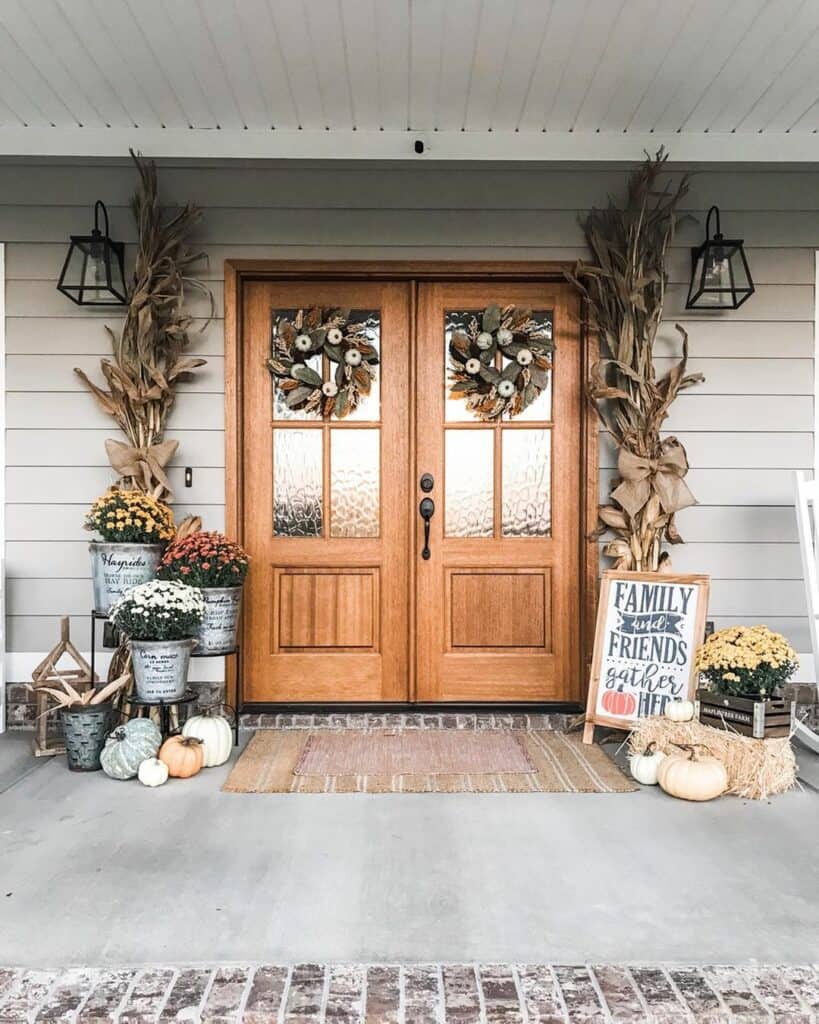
{"x":347,"y":599}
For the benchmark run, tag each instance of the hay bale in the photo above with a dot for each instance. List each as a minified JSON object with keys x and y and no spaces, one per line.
{"x":756,"y":769}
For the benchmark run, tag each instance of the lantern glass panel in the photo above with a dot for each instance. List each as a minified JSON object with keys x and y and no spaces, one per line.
{"x":93,"y":274}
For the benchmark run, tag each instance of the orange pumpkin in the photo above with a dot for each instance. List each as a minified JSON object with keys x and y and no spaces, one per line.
{"x":183,"y":755}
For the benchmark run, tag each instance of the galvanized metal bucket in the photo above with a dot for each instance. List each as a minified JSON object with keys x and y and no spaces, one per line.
{"x":217,"y":631}
{"x":161,"y":668}
{"x":116,"y":568}
{"x":84,"y":730}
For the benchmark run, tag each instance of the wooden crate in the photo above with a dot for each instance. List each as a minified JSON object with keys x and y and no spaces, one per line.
{"x":761,"y":719}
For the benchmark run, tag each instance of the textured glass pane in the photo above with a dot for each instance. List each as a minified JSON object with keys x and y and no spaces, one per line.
{"x":354,"y":482}
{"x":369,"y":406}
{"x":541,"y":407}
{"x":526,"y":488}
{"x":280,"y":410}
{"x":297,"y":483}
{"x":469,"y":472}
{"x":456,"y":320}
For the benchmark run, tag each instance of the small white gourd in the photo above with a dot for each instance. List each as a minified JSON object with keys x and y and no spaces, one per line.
{"x":679,"y":710}
{"x":216,"y":735}
{"x":644,"y":766}
{"x":153,"y":772}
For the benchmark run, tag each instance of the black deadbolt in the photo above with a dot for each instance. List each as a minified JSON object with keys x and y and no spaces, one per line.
{"x":427,"y":483}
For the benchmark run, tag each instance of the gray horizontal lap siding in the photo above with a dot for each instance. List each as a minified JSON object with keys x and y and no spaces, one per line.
{"x":746,"y":429}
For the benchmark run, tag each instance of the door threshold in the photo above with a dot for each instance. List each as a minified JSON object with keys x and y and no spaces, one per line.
{"x":398,"y":707}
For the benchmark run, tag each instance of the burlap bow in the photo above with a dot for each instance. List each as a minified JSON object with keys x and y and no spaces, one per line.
{"x":640,"y":475}
{"x":143,"y":464}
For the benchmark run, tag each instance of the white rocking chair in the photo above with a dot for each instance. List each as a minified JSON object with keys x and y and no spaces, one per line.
{"x":807,"y":498}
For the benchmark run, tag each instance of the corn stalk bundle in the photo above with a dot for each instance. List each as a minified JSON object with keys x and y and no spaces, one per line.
{"x":625,"y":292}
{"x":149,"y":353}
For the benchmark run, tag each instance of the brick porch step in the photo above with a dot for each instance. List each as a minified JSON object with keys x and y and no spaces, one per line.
{"x":412,"y":994}
{"x":558,"y":720}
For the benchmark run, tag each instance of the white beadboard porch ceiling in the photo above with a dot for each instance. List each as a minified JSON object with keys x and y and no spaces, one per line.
{"x":478,"y":79}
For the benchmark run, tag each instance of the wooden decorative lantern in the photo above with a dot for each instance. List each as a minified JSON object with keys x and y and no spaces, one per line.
{"x":48,"y":673}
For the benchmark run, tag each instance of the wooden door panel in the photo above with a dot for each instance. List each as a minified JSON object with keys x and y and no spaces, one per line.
{"x":326,"y":611}
{"x":326,"y":608}
{"x":498,"y":601}
{"x":478,"y":604}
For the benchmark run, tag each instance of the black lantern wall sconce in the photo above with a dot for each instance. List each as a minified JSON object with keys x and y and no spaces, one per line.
{"x":720,"y":276}
{"x":94,"y":270}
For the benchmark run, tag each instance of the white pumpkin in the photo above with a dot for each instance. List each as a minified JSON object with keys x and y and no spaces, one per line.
{"x":679,"y":710}
{"x":691,"y":776}
{"x":216,"y":736}
{"x":153,"y":772}
{"x":128,"y":746}
{"x":644,"y":766}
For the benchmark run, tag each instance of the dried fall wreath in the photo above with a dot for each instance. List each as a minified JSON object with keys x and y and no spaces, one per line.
{"x":347,"y":361}
{"x":499,"y":364}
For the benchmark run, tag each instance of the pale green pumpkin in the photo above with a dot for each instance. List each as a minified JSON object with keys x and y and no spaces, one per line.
{"x":128,"y":746}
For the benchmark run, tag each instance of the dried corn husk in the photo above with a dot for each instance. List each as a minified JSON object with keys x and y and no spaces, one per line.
{"x":149,"y":352}
{"x":625,"y":293}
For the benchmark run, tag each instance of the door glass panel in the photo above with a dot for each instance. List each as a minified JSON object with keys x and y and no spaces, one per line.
{"x":464,"y":322}
{"x":469,"y":490}
{"x":526,"y":483}
{"x":369,"y":330}
{"x":354,"y":482}
{"x":280,"y":407}
{"x":541,"y":407}
{"x":297,"y":482}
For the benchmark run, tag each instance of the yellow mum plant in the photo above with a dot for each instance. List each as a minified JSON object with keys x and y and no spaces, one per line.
{"x":749,"y":660}
{"x":130,"y":517}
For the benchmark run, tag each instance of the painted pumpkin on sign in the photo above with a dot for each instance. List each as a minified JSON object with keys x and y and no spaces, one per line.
{"x":128,"y":746}
{"x":618,"y":703}
{"x":182,"y":755}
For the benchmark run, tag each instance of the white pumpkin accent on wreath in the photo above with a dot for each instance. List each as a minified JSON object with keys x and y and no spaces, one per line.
{"x":334,"y":336}
{"x":329,"y":389}
{"x":506,"y":389}
{"x":303,"y":343}
{"x":505,"y":336}
{"x":644,"y":766}
{"x":679,"y":710}
{"x":352,"y":357}
{"x":472,"y":366}
{"x":215,"y":734}
{"x":524,"y":357}
{"x":153,"y":772}
{"x":484,"y":341}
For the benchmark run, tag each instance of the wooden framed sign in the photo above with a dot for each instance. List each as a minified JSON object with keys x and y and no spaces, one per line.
{"x":648,"y":627}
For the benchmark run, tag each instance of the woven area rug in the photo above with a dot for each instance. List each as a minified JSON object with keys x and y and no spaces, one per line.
{"x":423,"y":761}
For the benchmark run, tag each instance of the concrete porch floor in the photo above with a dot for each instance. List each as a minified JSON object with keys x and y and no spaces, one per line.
{"x":98,"y":872}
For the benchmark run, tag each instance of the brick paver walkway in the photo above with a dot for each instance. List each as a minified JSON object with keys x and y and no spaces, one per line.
{"x":412,"y":994}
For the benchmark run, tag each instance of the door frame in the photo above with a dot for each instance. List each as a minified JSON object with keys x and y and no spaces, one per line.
{"x":238,"y":272}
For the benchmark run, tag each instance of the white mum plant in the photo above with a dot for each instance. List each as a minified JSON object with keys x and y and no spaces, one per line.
{"x":159,"y":610}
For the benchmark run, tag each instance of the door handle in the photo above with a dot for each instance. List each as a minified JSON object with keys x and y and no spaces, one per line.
{"x":427,"y":510}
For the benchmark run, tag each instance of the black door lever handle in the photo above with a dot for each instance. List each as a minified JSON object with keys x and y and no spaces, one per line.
{"x":427,"y":510}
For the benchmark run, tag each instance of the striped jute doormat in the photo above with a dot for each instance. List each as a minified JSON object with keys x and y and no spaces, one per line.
{"x":423,"y":761}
